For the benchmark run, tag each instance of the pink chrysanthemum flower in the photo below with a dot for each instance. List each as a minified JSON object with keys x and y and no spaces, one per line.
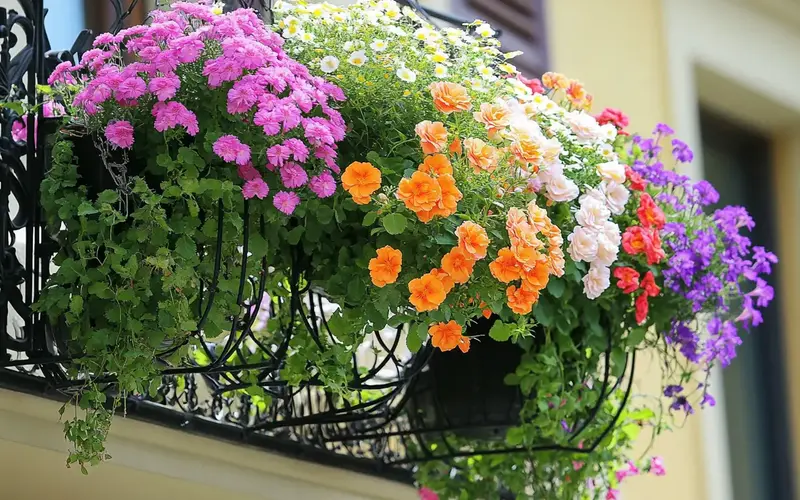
{"x":247,"y":172}
{"x":286,"y":202}
{"x":120,"y":134}
{"x":255,"y":188}
{"x":278,"y":154}
{"x":230,"y":149}
{"x":323,"y":185}
{"x":165,"y":87}
{"x":293,"y":175}
{"x":298,"y":149}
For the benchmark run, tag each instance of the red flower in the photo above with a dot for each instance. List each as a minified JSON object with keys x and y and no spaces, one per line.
{"x":534,"y":84}
{"x":653,"y":251}
{"x":650,"y":214}
{"x":636,"y":181}
{"x":635,"y":240}
{"x":649,"y":285}
{"x":638,"y":239}
{"x":613,"y":116}
{"x":628,"y":279}
{"x":642,"y":308}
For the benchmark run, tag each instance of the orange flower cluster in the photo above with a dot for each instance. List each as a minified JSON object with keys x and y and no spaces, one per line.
{"x":386,"y":266}
{"x":448,"y":336}
{"x":361,"y":180}
{"x":431,"y":191}
{"x":527,"y":259}
{"x":496,"y":117}
{"x":430,"y":290}
{"x":481,"y":156}
{"x":573,"y":89}
{"x":450,"y":97}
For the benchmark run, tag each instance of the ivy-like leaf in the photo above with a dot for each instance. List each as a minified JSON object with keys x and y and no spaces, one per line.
{"x":394,"y":223}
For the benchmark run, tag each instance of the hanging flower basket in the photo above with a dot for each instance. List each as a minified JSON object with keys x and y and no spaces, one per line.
{"x":467,"y":393}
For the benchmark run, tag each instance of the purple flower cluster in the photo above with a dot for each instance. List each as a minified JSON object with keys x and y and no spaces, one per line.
{"x":711,"y":266}
{"x":184,"y":59}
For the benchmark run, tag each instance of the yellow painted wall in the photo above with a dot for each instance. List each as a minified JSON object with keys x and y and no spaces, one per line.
{"x":616,"y":48}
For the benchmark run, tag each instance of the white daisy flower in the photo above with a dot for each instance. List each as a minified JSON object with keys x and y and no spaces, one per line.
{"x":378,"y":45}
{"x":485,"y":30}
{"x":307,"y":37}
{"x":422,"y":34}
{"x":358,"y":58}
{"x":350,"y":45}
{"x":218,"y":8}
{"x":292,"y":31}
{"x":329,"y":64}
{"x":439,"y":56}
{"x":440,"y":71}
{"x":406,"y":75}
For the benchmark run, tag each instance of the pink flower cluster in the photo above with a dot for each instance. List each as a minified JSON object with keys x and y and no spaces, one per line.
{"x":280,"y":127}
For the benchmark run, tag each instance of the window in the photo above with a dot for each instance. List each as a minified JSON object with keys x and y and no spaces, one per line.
{"x":737,"y":161}
{"x":523,"y":28}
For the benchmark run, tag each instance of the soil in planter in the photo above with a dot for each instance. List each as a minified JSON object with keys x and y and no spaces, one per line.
{"x":464,"y":392}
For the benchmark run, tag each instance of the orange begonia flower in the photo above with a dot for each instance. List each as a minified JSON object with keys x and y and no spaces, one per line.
{"x":486,"y":313}
{"x":458,"y":264}
{"x":385,"y":267}
{"x":494,"y":116}
{"x":537,"y":217}
{"x":521,"y":300}
{"x":527,"y":256}
{"x":448,"y":336}
{"x":448,"y":204}
{"x":555,"y":81}
{"x":577,"y":95}
{"x":455,"y":146}
{"x":473,"y":239}
{"x":437,"y":164}
{"x":361,"y":180}
{"x":450,"y":97}
{"x":427,"y":292}
{"x":420,"y":192}
{"x":432,"y":136}
{"x":482,"y":156}
{"x":537,"y":277}
{"x":505,"y":267}
{"x":445,"y":278}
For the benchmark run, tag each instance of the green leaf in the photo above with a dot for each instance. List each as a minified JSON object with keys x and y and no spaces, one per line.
{"x":101,"y":290}
{"x":86,"y":208}
{"x":186,"y":248}
{"x":556,"y":287}
{"x":543,"y":312}
{"x":295,"y":234}
{"x":635,"y":337}
{"x":413,"y":342}
{"x":257,"y":246}
{"x":108,"y":196}
{"x":394,"y":223}
{"x":399,"y":319}
{"x":324,"y":214}
{"x":370,"y":219}
{"x":500,"y":331}
{"x":76,"y":304}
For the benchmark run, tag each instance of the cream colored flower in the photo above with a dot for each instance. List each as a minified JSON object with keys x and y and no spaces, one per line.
{"x":616,"y":196}
{"x":606,"y":250}
{"x":562,"y":189}
{"x":584,"y":126}
{"x":307,"y":37}
{"x":593,"y":213}
{"x":485,"y":30}
{"x":422,"y":34}
{"x":378,"y":45}
{"x":611,"y":171}
{"x":406,"y":75}
{"x":440,"y":71}
{"x":582,"y":244}
{"x":596,"y":281}
{"x":358,"y":58}
{"x":218,"y":8}
{"x":329,"y":64}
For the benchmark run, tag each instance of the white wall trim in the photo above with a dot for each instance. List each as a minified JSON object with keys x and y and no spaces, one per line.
{"x":758,"y":55}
